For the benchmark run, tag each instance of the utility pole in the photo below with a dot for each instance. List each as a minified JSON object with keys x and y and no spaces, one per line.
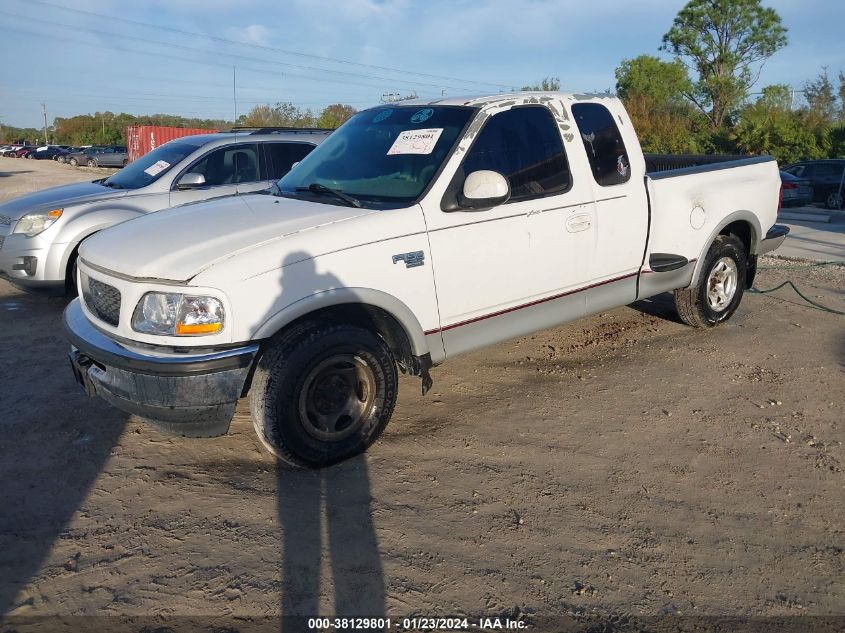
{"x":234,"y":97}
{"x":44,"y":108}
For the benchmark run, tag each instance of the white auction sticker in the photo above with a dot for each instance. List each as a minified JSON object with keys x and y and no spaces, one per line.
{"x":415,"y":141}
{"x":157,"y":167}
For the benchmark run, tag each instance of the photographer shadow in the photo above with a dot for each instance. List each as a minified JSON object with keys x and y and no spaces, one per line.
{"x":335,"y":501}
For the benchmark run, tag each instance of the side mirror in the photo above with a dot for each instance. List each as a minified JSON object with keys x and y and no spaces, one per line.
{"x":191,"y":180}
{"x":484,"y":189}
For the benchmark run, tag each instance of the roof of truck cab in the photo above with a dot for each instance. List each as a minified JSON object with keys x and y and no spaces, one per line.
{"x":502,"y":97}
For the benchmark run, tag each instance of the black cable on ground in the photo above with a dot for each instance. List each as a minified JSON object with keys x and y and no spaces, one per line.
{"x":800,"y":294}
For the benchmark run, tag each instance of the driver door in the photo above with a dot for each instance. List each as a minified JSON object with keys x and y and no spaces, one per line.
{"x":509,"y":270}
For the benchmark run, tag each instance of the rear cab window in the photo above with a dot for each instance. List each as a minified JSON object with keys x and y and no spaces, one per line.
{"x":603,"y":144}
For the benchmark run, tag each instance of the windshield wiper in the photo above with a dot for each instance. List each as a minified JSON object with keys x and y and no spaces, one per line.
{"x":316,"y":187}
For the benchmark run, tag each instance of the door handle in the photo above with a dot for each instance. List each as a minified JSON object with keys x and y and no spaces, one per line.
{"x":579,"y":222}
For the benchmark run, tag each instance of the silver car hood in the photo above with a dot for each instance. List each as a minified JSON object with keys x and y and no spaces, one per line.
{"x":55,"y":197}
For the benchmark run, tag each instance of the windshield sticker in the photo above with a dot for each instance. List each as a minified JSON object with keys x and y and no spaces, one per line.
{"x":415,"y":142}
{"x":156,"y":168}
{"x":422,"y":115}
{"x":381,"y":116}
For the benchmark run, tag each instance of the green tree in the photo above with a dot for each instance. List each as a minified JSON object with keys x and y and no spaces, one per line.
{"x":548,"y":84}
{"x":770,"y":126}
{"x":664,"y":82}
{"x":283,"y":114}
{"x":821,"y":99}
{"x":725,"y":42}
{"x":653,"y":91}
{"x":777,"y":97}
{"x":335,"y":115}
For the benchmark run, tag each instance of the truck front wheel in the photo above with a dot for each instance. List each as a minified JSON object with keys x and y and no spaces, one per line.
{"x":322,"y":393}
{"x":720,"y":285}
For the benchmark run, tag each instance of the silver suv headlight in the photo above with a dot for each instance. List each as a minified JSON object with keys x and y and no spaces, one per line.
{"x":34,"y":223}
{"x":171,"y":314}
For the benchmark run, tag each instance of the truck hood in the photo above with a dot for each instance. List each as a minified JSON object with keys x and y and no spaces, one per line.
{"x":77,"y":193}
{"x":179,"y":243}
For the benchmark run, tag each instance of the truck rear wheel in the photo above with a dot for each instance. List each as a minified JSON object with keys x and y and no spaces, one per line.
{"x":322,"y":393}
{"x":720,"y":286}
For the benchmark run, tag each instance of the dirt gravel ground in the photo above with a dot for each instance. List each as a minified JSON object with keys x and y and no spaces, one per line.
{"x":623,"y":465}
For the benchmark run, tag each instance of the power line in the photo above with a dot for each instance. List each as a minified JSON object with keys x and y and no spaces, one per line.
{"x":230,"y":55}
{"x":264,"y":47}
{"x":261,"y":71}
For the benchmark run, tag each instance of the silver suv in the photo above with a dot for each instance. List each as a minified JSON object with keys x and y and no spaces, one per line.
{"x":40,"y":232}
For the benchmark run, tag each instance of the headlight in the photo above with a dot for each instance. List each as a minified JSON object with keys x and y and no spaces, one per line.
{"x":170,"y":314}
{"x":34,"y":223}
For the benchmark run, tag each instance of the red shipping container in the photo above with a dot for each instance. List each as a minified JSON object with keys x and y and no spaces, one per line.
{"x":141,"y":139}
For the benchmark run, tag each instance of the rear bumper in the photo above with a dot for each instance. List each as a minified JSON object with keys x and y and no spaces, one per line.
{"x":191,"y":394}
{"x":774,"y":238}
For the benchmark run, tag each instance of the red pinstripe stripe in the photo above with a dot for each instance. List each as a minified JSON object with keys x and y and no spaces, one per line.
{"x":528,"y":305}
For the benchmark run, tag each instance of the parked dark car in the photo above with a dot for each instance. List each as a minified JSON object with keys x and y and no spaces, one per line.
{"x":81,"y":157}
{"x":825,"y":176}
{"x":48,"y":153}
{"x":797,"y":192}
{"x":61,"y":158}
{"x":112,"y":156}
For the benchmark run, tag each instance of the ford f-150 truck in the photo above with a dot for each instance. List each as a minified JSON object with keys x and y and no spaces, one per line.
{"x":416,"y":232}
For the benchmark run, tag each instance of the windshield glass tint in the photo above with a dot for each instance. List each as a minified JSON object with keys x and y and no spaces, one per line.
{"x":384,"y":155}
{"x":150,"y":167}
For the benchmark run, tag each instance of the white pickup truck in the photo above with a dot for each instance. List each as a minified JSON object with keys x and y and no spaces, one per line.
{"x":416,"y":232}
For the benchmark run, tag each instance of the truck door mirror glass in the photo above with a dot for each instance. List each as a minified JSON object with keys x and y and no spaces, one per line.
{"x":484,"y":189}
{"x":191,"y":180}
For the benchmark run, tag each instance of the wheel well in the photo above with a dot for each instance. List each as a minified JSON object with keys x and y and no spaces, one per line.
{"x":742,"y":231}
{"x":375,"y":319}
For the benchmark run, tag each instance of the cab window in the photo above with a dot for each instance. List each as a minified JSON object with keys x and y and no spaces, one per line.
{"x":229,"y":165}
{"x":282,"y":156}
{"x":603,"y":143}
{"x":524,"y":145}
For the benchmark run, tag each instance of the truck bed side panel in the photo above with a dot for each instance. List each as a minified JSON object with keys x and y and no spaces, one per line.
{"x":689,"y":207}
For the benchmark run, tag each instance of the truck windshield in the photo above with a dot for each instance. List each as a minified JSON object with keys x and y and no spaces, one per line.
{"x":383,"y":157}
{"x":152,"y":166}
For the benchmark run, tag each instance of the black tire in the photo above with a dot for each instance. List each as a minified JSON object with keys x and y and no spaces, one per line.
{"x":74,"y":162}
{"x":703,"y":305}
{"x":91,"y":162}
{"x":125,"y":162}
{"x":329,"y":366}
{"x":834,"y":200}
{"x":71,"y":289}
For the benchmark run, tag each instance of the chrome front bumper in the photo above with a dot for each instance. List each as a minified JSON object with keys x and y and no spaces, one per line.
{"x":192,"y":394}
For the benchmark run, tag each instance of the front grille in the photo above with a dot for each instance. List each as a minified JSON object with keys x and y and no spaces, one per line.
{"x":103,"y":300}
{"x":5,"y":220}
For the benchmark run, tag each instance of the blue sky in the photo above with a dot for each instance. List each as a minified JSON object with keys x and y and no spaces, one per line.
{"x":76,"y":62}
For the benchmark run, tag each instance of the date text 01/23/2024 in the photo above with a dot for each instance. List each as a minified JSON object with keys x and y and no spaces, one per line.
{"x":415,"y":624}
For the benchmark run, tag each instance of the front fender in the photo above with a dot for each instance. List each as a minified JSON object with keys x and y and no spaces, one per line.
{"x":341,"y":296}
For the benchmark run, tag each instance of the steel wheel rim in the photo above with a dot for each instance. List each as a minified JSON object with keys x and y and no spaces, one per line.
{"x":834,"y":201}
{"x":337,"y":396}
{"x":722,"y":284}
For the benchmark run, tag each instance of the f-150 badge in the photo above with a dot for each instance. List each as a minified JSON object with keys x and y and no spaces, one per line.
{"x":412,"y":260}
